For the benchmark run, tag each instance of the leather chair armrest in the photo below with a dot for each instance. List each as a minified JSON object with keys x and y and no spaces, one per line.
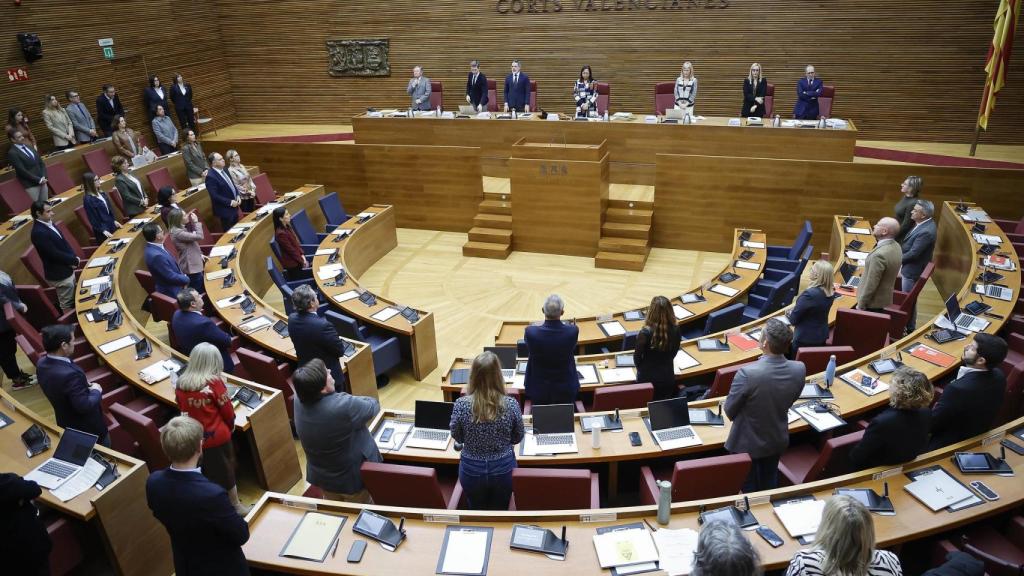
{"x":120,"y":395}
{"x":579,"y":406}
{"x":456,"y":499}
{"x":648,"y":487}
{"x":595,"y":490}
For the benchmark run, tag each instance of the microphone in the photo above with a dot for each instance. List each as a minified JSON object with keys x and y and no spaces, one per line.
{"x":1002,"y":453}
{"x":616,"y":415}
{"x":720,"y":404}
{"x":401,"y":526}
{"x":885,"y":489}
{"x":746,"y":503}
{"x":563,"y":533}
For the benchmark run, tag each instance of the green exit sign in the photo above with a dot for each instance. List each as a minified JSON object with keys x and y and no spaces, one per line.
{"x":108,"y":52}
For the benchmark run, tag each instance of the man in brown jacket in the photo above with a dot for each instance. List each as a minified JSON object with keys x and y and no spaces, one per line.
{"x":881,"y":268}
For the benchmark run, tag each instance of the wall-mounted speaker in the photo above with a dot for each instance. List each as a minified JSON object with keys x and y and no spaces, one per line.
{"x":31,"y":47}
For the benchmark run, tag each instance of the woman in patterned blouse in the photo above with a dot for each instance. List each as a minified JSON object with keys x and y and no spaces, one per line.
{"x":585,"y":93}
{"x":844,"y":545}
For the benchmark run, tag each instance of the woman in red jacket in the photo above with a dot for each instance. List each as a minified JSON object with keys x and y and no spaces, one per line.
{"x":201,"y":393}
{"x":293,"y":260}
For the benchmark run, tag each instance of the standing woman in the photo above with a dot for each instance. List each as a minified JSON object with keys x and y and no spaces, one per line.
{"x":845,"y":544}
{"x":585,"y":93}
{"x":240,"y":176}
{"x":98,"y":208}
{"x":293,"y":259}
{"x":201,"y":394}
{"x":181,"y":96}
{"x":488,"y":424}
{"x":656,"y":346}
{"x":809,"y":316}
{"x":133,"y":195}
{"x":58,"y":123}
{"x":125,"y":142}
{"x":8,"y":346}
{"x":165,"y":199}
{"x":755,"y":87}
{"x":164,"y":130}
{"x":911,"y":189}
{"x":155,"y":95}
{"x":686,"y":89}
{"x":186,"y":232}
{"x":195,"y":159}
{"x":18,"y":122}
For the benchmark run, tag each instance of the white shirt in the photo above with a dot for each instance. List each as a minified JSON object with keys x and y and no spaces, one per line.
{"x":181,"y":88}
{"x":225,"y":176}
{"x":134,"y":180}
{"x":51,"y":227}
{"x":515,"y":78}
{"x":159,"y":91}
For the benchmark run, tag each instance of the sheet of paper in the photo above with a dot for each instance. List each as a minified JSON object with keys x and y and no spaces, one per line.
{"x":366,"y":215}
{"x":675,"y":550}
{"x":100,"y":261}
{"x":314,"y":536}
{"x":748,"y":265}
{"x":589,"y":372}
{"x":613,"y":328}
{"x":230,"y":301}
{"x":256,"y":324}
{"x":80,"y":482}
{"x":724,"y":290}
{"x":350,"y":295}
{"x":801,"y":518}
{"x":791,"y":416}
{"x":750,"y":244}
{"x":987,"y":239}
{"x":624,"y":547}
{"x":326,"y":251}
{"x":218,"y":274}
{"x":682,"y":361}
{"x":385,"y":314}
{"x":856,"y":255}
{"x":680,"y":312}
{"x":519,"y":381}
{"x":466,"y":552}
{"x":819,"y":420}
{"x":610,"y":375}
{"x":401,"y":430}
{"x":155,"y":372}
{"x":328,"y":272}
{"x":107,"y":307}
{"x":342,"y":231}
{"x":135,"y":221}
{"x":219,"y":251}
{"x":269,"y":207}
{"x":96,"y":281}
{"x":115,"y":345}
{"x":855,"y":230}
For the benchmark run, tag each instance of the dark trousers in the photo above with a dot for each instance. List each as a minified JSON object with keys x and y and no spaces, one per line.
{"x":487,"y":483}
{"x":906,"y":285}
{"x":8,"y":352}
{"x":297,"y":273}
{"x":196,"y":281}
{"x":764,"y":474}
{"x":165,"y":148}
{"x":186,"y":119}
{"x":229,"y":222}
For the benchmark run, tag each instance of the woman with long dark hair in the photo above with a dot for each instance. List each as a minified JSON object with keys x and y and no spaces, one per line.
{"x":656,"y":347}
{"x":293,"y":260}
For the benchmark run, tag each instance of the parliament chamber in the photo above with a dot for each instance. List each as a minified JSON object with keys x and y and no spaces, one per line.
{"x":426,"y":232}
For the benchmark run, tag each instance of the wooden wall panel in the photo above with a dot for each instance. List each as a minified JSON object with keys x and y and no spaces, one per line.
{"x":908,"y":70}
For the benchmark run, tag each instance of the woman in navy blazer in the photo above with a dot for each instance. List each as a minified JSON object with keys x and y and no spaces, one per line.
{"x":810,"y":315}
{"x":900,"y":433}
{"x":155,"y":95}
{"x":98,"y":208}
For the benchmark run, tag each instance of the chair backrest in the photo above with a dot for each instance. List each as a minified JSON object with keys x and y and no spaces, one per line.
{"x":725,"y":318}
{"x":865,"y":331}
{"x":436,"y":95}
{"x":401,"y":485}
{"x":333,"y":209}
{"x":23,"y":327}
{"x":826,"y":100}
{"x":722,"y":383}
{"x":160,"y":178}
{"x":73,"y":242}
{"x":769,"y":100}
{"x":163,"y":307}
{"x":83,"y":219}
{"x":58,"y":179}
{"x":346,"y":326}
{"x":170,"y":247}
{"x":604,"y":96}
{"x":146,"y":281}
{"x":34,"y":264}
{"x":834,"y":458}
{"x":911,"y":298}
{"x":788,"y":290}
{"x":629,"y":340}
{"x":802,"y":240}
{"x":264,"y":191}
{"x":266,"y":366}
{"x":13,"y":197}
{"x":304,"y":228}
{"x":551,"y":489}
{"x":786,"y":286}
{"x":522,"y":350}
{"x":815,"y":358}
{"x":145,"y":433}
{"x":533,"y":95}
{"x":41,"y":309}
{"x":995,"y":565}
{"x":278,"y":279}
{"x":709,"y":477}
{"x":98,"y":161}
{"x":275,"y":248}
{"x":492,"y":95}
{"x":622,"y":397}
{"x":115,"y":197}
{"x":664,"y":96}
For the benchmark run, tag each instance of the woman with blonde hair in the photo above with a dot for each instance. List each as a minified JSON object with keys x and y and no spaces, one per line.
{"x":240,"y":176}
{"x":488,"y":424}
{"x":900,"y":433}
{"x":656,"y":346}
{"x":755,"y":88}
{"x":201,"y":393}
{"x":186,"y":231}
{"x":686,"y":89}
{"x":58,"y":123}
{"x":809,"y":316}
{"x":844,"y":545}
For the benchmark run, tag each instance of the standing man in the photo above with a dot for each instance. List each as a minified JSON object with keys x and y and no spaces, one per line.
{"x":206,"y":532}
{"x":757,"y":403}
{"x":808,"y":89}
{"x":881,"y":268}
{"x":59,"y":260}
{"x":313,"y":336}
{"x":419,"y":90}
{"x":969,"y":405}
{"x":551,"y":372}
{"x":517,"y":90}
{"x":168,"y":278}
{"x":476,"y":87}
{"x":77,"y":403}
{"x":223,"y":192}
{"x":28,"y":167}
{"x":81,"y":119}
{"x":917,"y":247}
{"x":191,"y":327}
{"x":24,"y":541}
{"x":108,"y":107}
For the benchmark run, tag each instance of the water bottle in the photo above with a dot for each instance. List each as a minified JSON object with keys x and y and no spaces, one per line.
{"x":821,"y":122}
{"x":664,"y":501}
{"x":777,"y":122}
{"x":830,"y":371}
{"x":595,"y":436}
{"x":687,"y":119}
{"x":606,"y":115}
{"x":438,"y":111}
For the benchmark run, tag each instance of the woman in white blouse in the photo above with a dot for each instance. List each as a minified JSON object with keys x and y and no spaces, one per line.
{"x":686,"y":89}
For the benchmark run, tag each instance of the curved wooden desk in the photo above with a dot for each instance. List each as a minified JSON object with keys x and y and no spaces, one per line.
{"x":367,"y":242}
{"x":70,"y":158}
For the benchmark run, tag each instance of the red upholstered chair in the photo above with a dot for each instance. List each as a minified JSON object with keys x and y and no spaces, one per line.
{"x":145,"y":432}
{"x":146,"y":281}
{"x":409,"y":486}
{"x":163,"y":307}
{"x":66,"y":553}
{"x":436,"y":95}
{"x":264,"y":191}
{"x":42,"y":305}
{"x":622,"y":397}
{"x":865,"y":331}
{"x":803,"y":463}
{"x":697,"y":479}
{"x":1002,"y":550}
{"x":664,"y":96}
{"x":273,"y":374}
{"x":14,"y":198}
{"x":160,"y":178}
{"x":492,"y":95}
{"x":825,"y":101}
{"x":554,"y":489}
{"x":83,"y":252}
{"x":604,"y":96}
{"x":98,"y":162}
{"x":115,"y":197}
{"x":313,"y":492}
{"x":533,"y":95}
{"x":30,"y":259}
{"x":83,"y":219}
{"x":170,"y":247}
{"x":1013,"y":399}
{"x":57,"y":179}
{"x":722,"y":383}
{"x":769,"y":100}
{"x":903,"y":303}
{"x":815,"y":359}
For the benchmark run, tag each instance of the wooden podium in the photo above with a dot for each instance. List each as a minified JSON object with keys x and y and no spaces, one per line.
{"x":559,"y":196}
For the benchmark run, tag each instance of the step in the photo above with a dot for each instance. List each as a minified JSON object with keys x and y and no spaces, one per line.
{"x":493,"y":221}
{"x":626,"y":230}
{"x":620,"y":261}
{"x":634,"y":204}
{"x":632,"y":215}
{"x":498,"y":196}
{"x":495,"y":235}
{"x":495,"y":207}
{"x":486,"y":250}
{"x":623,"y":245}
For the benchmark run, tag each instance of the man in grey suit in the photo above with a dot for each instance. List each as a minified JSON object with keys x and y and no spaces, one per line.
{"x":28,"y":166}
{"x":332,"y":429}
{"x":419,"y":90}
{"x":881,"y":268}
{"x":917,"y":246}
{"x":761,"y":394}
{"x":81,"y":119}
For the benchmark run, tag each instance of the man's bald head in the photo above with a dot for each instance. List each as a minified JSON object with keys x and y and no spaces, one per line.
{"x":886,"y":228}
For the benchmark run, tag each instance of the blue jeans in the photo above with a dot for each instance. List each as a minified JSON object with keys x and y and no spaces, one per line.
{"x":487,"y":483}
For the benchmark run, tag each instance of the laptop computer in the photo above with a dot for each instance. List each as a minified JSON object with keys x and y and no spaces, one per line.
{"x":849,"y":280}
{"x":72,"y":453}
{"x":431,"y":425}
{"x":507,"y":357}
{"x":994,"y":291}
{"x":554,"y":429}
{"x":670,"y":424}
{"x":962,"y":320}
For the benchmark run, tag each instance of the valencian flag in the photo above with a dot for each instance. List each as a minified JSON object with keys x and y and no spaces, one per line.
{"x":998,"y":56}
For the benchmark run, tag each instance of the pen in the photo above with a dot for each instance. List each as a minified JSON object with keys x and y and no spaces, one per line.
{"x":336,"y":541}
{"x":653,"y":529}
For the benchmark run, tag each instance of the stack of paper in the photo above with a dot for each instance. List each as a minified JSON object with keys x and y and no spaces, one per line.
{"x":801,"y":518}
{"x":724,"y":290}
{"x":342,"y":232}
{"x":350,"y":295}
{"x":747,"y":265}
{"x":314,"y":536}
{"x":100,"y":261}
{"x":853,"y":230}
{"x":219,"y":251}
{"x":115,"y":345}
{"x":230,"y":301}
{"x":611,"y":375}
{"x":675,"y":550}
{"x":752,"y":244}
{"x":988,"y":239}
{"x":625,"y":547}
{"x":856,"y":378}
{"x":682,"y":361}
{"x":385,"y":314}
{"x":80,"y":481}
{"x":218,"y":274}
{"x":589,"y":373}
{"x":158,"y":371}
{"x":328,"y":271}
{"x":256,"y":324}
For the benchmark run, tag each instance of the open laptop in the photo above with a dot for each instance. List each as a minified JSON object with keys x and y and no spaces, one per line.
{"x":72,"y":453}
{"x":507,"y":357}
{"x":431,"y":425}
{"x":962,"y":320}
{"x":849,"y":280}
{"x":554,"y":429}
{"x":670,"y":424}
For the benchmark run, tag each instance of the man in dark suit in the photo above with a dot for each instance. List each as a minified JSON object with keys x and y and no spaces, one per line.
{"x":28,"y":166}
{"x":551,"y":372}
{"x":476,"y":87}
{"x":190,"y":327}
{"x":757,"y":403}
{"x":332,"y":430}
{"x":313,"y":336}
{"x":969,"y":405}
{"x":108,"y":107}
{"x":76,"y":401}
{"x":917,"y":246}
{"x":168,"y":278}
{"x":223,"y":193}
{"x":206,"y":532}
{"x":517,"y":90}
{"x":881,"y":268}
{"x":59,"y":260}
{"x":24,"y":542}
{"x":808,"y":89}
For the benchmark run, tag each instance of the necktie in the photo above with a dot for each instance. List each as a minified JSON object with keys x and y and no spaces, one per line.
{"x":81,"y":108}
{"x":515,"y":79}
{"x":27,"y":151}
{"x":474,"y":78}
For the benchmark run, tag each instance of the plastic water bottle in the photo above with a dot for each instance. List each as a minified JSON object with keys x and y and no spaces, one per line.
{"x":606,"y":115}
{"x":438,"y":111}
{"x":830,"y":370}
{"x":595,"y":437}
{"x":777,"y":122}
{"x":821,"y":122}
{"x":664,"y":501}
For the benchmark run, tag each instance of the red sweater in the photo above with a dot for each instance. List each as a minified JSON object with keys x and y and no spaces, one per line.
{"x":291,"y":250}
{"x":213,"y":411}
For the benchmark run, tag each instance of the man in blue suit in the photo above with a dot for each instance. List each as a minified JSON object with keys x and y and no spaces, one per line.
{"x":917,"y":246}
{"x":77,"y":403}
{"x":313,"y":336}
{"x":191,"y":327}
{"x":551,"y":372}
{"x":223,"y":193}
{"x":206,"y":532}
{"x":517,"y":90}
{"x":167,"y":276}
{"x":59,"y":260}
{"x":808,"y":89}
